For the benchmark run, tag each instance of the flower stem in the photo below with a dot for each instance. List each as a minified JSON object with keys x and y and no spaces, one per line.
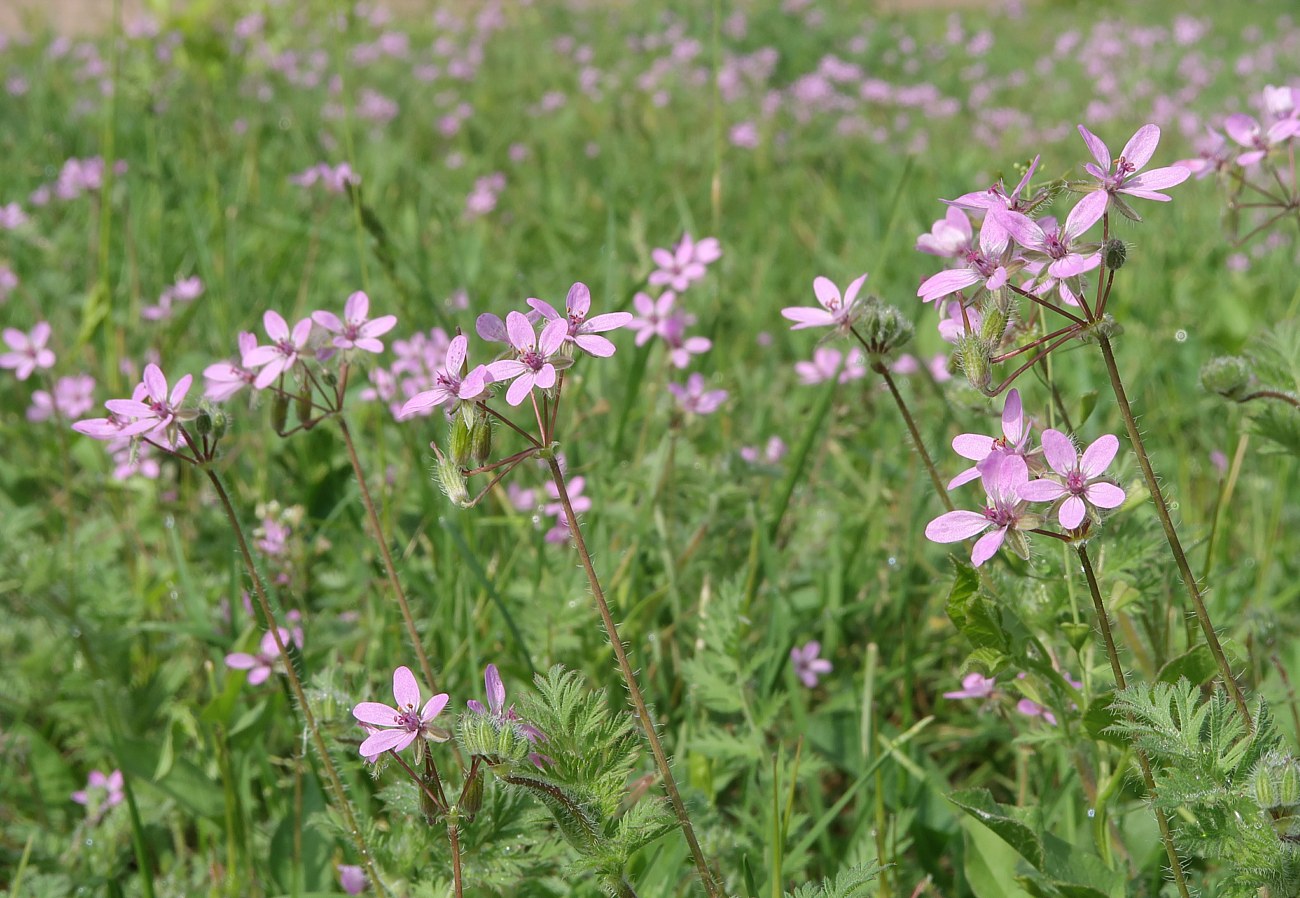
{"x":378,"y":529}
{"x":453,"y":835}
{"x":1103,"y":620}
{"x":332,"y":779}
{"x":1272,"y":394}
{"x":1171,"y":535}
{"x":939,"y":488}
{"x":634,"y":691}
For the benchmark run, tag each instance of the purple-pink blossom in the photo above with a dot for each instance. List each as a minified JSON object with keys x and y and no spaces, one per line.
{"x":150,"y":410}
{"x":261,"y":665}
{"x":685,"y":264}
{"x":497,"y":711}
{"x":1080,"y":484}
{"x":807,"y":665}
{"x":1003,"y":476}
{"x":837,"y":309}
{"x":27,"y":351}
{"x":1256,"y":138}
{"x":1124,"y":177}
{"x":693,"y":398}
{"x":983,"y":266}
{"x":449,"y":384}
{"x":828,"y":362}
{"x":282,"y":353}
{"x":224,"y":379}
{"x":397,"y":727}
{"x":1058,"y":246}
{"x":102,"y":792}
{"x":977,"y":447}
{"x":72,"y":397}
{"x":950,"y":237}
{"x":357,"y":330}
{"x":535,"y":363}
{"x":973,"y":685}
{"x":584,"y":332}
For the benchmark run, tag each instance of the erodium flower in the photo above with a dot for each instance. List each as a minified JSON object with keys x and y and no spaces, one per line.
{"x":282,"y":353}
{"x":1256,"y":138}
{"x":261,"y":665}
{"x":1004,"y":515}
{"x":72,"y":397}
{"x":101,"y":793}
{"x":584,"y":332}
{"x":150,"y":410}
{"x":951,"y":236}
{"x":400,"y":726}
{"x":983,"y":266}
{"x":496,"y":709}
{"x":825,"y":364}
{"x":685,"y":264}
{"x":534,"y":365}
{"x":1058,"y":246}
{"x":1080,"y":484}
{"x":973,"y":685}
{"x":449,"y":385}
{"x":837,"y":309}
{"x":977,"y":447}
{"x":652,"y":315}
{"x":694,"y":399}
{"x":1123,"y":177}
{"x":807,"y":665}
{"x":27,"y":351}
{"x":357,"y":330}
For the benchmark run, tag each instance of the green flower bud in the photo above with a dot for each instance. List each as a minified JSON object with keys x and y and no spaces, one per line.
{"x":471,"y":797}
{"x":220,"y":423}
{"x":279,"y":412}
{"x":452,"y":482}
{"x":203,"y":422}
{"x":1266,"y":787}
{"x":1113,"y":254}
{"x":993,"y":326}
{"x":1229,"y":376}
{"x":302,"y":405}
{"x":976,"y":359}
{"x":330,"y":378}
{"x":1288,"y":784}
{"x":883,"y":328}
{"x":460,"y":441}
{"x":480,"y":441}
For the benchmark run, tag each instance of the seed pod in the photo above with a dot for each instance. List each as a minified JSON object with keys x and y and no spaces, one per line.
{"x":302,"y":405}
{"x":460,"y":441}
{"x":471,"y":797}
{"x":448,"y":475}
{"x":883,"y":328}
{"x":480,"y":441}
{"x":279,"y":413}
{"x":993,"y":326}
{"x":976,"y":361}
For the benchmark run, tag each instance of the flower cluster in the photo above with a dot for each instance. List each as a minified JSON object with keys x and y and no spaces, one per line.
{"x":1073,"y":482}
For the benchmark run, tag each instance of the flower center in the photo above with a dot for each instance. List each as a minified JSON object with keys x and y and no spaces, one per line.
{"x":409,"y":720}
{"x":1075,"y":482}
{"x":532,"y":358}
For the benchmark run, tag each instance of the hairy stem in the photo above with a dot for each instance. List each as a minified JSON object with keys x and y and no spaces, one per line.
{"x":1272,"y":394}
{"x":1171,"y":534}
{"x":633,"y":689}
{"x":1103,"y":620}
{"x":378,"y":530}
{"x":453,"y":835}
{"x":332,"y":779}
{"x":883,"y":371}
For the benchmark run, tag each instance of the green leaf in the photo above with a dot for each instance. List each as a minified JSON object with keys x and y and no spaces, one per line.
{"x":1100,"y":717}
{"x":989,"y":864}
{"x":1018,"y":827}
{"x":1196,"y":664}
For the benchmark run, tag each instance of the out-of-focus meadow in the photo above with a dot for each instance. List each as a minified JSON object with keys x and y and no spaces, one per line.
{"x":169,"y":177}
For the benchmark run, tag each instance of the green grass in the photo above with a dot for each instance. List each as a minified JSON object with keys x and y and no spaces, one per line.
{"x":114,"y":634}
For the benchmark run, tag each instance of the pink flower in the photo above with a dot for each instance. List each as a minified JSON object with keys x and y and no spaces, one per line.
{"x":977,"y":447}
{"x":694,"y":399}
{"x":826,"y":364}
{"x":983,"y":266}
{"x":73,"y":397}
{"x":1136,"y":153}
{"x":352,"y":879}
{"x":152,"y":409}
{"x":685,"y":264}
{"x":583,"y":331}
{"x":261,"y":665}
{"x":400,"y":726}
{"x":772,"y":453}
{"x":807,"y":665}
{"x":654,"y":315}
{"x":101,"y":792}
{"x":1058,"y":246}
{"x":950,"y":236}
{"x":28,"y":350}
{"x":224,"y":379}
{"x":680,"y":346}
{"x":1004,"y":476}
{"x":1080,"y":485}
{"x":282,"y":353}
{"x":449,"y":386}
{"x":560,"y":532}
{"x":12,"y":217}
{"x":973,"y":685}
{"x":496,"y":709}
{"x":533,"y":366}
{"x":1031,"y":708}
{"x":356,"y":330}
{"x":8,"y":282}
{"x":837,"y":310}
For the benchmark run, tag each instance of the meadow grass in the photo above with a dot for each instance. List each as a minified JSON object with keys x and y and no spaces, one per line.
{"x":124,"y":594}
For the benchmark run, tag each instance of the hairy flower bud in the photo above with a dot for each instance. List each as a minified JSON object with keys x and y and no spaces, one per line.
{"x":220,"y":423}
{"x":480,"y":440}
{"x":1288,"y":784}
{"x":448,"y":475}
{"x":303,"y":408}
{"x":1114,"y":253}
{"x":461,"y":450}
{"x":883,"y":328}
{"x":993,"y":326}
{"x":203,"y":422}
{"x":1229,"y":376}
{"x":976,"y":359}
{"x":279,"y":412}
{"x":471,"y":797}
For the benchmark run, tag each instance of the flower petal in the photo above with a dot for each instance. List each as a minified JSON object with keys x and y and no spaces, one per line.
{"x":578,"y":302}
{"x":375,"y":714}
{"x":496,"y":690}
{"x":955,"y":526}
{"x":1141,"y":146}
{"x":1098,"y":456}
{"x":433,"y":707}
{"x":522,"y":335}
{"x":1059,"y":452}
{"x":405,"y":690}
{"x":987,"y":546}
{"x":1072,"y":512}
{"x":386,"y":740}
{"x":1104,"y":494}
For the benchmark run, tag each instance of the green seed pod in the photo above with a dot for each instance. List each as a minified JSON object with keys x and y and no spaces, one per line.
{"x":279,"y":412}
{"x":480,"y":441}
{"x":460,"y":441}
{"x":203,"y":422}
{"x":976,"y":360}
{"x":1114,"y":253}
{"x":302,"y":405}
{"x":1229,"y":376}
{"x":471,"y":797}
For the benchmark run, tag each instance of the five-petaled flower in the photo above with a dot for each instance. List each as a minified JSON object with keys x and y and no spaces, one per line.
{"x":534,"y":365}
{"x":1124,"y":177}
{"x":977,"y":447}
{"x":973,"y":685}
{"x":224,"y":379}
{"x":261,"y":665}
{"x":357,"y":330}
{"x":28,"y":350}
{"x":282,"y":353}
{"x":102,"y":792}
{"x":983,"y":265}
{"x":1080,"y":484}
{"x":1004,"y":476}
{"x":837,"y":309}
{"x":400,"y":726}
{"x":449,"y":385}
{"x":584,"y":332}
{"x":807,"y":665}
{"x":694,"y":399}
{"x":686,"y":264}
{"x":149,"y":410}
{"x":496,"y":709}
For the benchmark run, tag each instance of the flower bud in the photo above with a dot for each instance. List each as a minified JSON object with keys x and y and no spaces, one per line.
{"x":993,"y":326}
{"x":302,"y":406}
{"x":329,"y":377}
{"x":1288,"y":784}
{"x":279,"y":413}
{"x":1114,"y":253}
{"x":461,"y":450}
{"x":883,"y":328}
{"x":220,"y":423}
{"x":203,"y":422}
{"x":448,"y":475}
{"x":976,"y":361}
{"x":480,"y":441}
{"x":1265,"y":782}
{"x":471,"y":797}
{"x":1229,"y":376}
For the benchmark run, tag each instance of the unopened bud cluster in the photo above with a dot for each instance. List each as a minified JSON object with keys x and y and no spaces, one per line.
{"x":1230,"y":376}
{"x":883,"y":328}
